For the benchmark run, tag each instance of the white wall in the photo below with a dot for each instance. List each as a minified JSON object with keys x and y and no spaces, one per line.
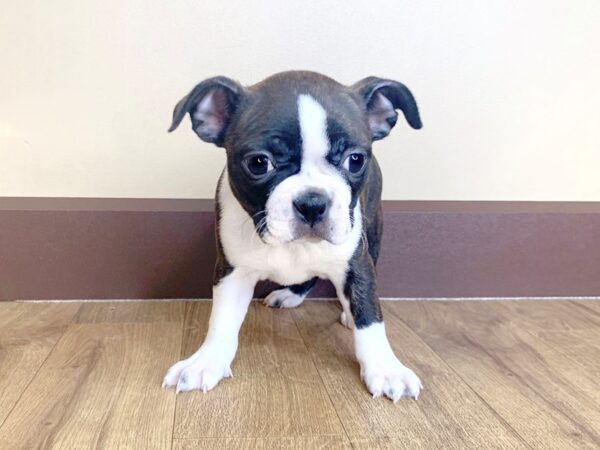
{"x":509,"y":90}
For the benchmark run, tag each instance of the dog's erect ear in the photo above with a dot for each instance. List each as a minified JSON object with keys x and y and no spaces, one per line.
{"x":211,"y":105}
{"x":382,"y":98}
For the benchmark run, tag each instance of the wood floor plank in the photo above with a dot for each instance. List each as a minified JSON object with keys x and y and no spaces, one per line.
{"x":576,"y":367}
{"x":548,"y":315}
{"x":276,"y":389}
{"x":99,"y":388}
{"x":28,"y":332}
{"x":393,"y":443}
{"x":447,"y":415}
{"x":590,"y":305}
{"x":267,"y":443}
{"x":584,"y":344}
{"x":489,"y":352}
{"x":570,"y":358}
{"x":138,"y":311}
{"x":579,"y":319}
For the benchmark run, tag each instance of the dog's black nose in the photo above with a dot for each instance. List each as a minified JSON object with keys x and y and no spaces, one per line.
{"x":311,"y":207}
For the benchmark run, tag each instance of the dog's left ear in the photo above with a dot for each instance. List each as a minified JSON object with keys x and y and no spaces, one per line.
{"x":382,"y":98}
{"x":211,"y":105}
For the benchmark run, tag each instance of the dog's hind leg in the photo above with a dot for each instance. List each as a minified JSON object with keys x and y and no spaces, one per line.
{"x":289,"y":296}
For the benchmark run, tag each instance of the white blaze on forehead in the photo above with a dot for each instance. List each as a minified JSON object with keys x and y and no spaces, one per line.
{"x":313,"y":129}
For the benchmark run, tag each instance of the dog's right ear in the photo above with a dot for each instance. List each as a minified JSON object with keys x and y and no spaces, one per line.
{"x":211,"y":104}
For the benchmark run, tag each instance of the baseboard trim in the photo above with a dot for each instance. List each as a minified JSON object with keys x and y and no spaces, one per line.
{"x":329,"y":299}
{"x":82,"y":248}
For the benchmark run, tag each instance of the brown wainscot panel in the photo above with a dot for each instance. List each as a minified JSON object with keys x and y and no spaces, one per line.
{"x":82,"y":248}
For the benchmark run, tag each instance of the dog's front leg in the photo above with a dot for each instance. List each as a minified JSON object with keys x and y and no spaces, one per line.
{"x":212,"y":362}
{"x":380,"y":369}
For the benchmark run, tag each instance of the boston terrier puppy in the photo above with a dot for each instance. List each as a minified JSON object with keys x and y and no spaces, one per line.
{"x":299,"y":199}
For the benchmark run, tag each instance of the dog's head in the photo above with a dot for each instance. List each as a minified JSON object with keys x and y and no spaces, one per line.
{"x":298,"y":146}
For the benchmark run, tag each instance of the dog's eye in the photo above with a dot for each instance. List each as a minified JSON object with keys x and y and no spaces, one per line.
{"x":354,"y":163}
{"x":258,"y":165}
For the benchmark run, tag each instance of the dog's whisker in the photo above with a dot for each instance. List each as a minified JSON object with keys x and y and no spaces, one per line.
{"x":260,"y":228}
{"x":251,"y":218}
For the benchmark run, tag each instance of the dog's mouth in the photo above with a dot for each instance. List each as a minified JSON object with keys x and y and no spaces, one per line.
{"x":304,"y":233}
{"x":313,"y":234}
{"x":313,"y":238}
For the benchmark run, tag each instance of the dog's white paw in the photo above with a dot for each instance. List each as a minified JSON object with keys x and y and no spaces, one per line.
{"x":283,"y":298}
{"x":196,"y":372}
{"x":344,"y":320}
{"x":380,"y":368}
{"x":392,"y":380}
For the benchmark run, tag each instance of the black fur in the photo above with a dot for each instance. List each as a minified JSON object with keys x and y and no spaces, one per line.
{"x":222,"y":266}
{"x":343,"y":139}
{"x":303,"y":288}
{"x":360,"y":288}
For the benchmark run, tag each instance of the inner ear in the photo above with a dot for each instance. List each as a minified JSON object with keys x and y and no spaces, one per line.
{"x":381,"y":99}
{"x":381,"y":116}
{"x":211,"y":115}
{"x":211,"y":105}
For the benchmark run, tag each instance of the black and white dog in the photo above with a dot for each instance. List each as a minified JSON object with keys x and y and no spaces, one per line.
{"x":299,"y":199}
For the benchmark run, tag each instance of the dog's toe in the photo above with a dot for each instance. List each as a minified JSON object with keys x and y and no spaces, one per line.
{"x":193,"y":378}
{"x":412,"y":384}
{"x":394,"y":383}
{"x":283,"y":298}
{"x":344,"y":320}
{"x":173,"y":374}
{"x":196,"y":373}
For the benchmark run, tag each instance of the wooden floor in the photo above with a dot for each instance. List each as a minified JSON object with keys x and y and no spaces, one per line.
{"x":497,"y":374}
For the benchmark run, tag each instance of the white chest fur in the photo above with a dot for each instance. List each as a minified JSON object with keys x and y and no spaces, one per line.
{"x":286,"y":264}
